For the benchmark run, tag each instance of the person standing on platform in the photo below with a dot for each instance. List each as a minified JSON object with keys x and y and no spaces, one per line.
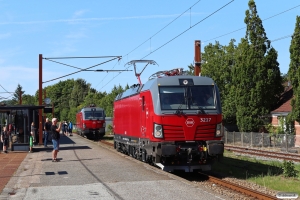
{"x":55,"y":138}
{"x":4,"y":139}
{"x":70,"y":128}
{"x":32,"y":132}
{"x":65,"y":125}
{"x":63,"y":128}
{"x":47,"y":127}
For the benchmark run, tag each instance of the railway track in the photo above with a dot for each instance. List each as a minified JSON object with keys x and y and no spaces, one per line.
{"x":263,"y":153}
{"x":229,"y":185}
{"x":239,"y":188}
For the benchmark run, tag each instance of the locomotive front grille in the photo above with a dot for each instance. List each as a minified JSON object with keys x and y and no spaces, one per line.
{"x":176,"y":133}
{"x":205,"y":131}
{"x":173,"y":132}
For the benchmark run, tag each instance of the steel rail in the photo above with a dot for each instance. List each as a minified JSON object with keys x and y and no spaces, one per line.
{"x":263,"y":153}
{"x":239,"y":188}
{"x":227,"y":184}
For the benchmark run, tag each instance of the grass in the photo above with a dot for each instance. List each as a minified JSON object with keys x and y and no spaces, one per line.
{"x":108,"y":138}
{"x":262,"y":172}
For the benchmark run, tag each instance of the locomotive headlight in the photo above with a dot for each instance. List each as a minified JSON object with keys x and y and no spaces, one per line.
{"x":158,"y":132}
{"x":219,"y":130}
{"x":104,"y":124}
{"x":84,"y":125}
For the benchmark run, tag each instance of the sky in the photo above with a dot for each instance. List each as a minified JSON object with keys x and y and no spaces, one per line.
{"x":161,"y":30}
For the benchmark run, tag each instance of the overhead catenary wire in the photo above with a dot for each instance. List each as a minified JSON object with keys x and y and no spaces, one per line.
{"x":105,"y":76}
{"x":277,"y":39}
{"x":53,"y":59}
{"x":245,"y":26}
{"x":150,"y":38}
{"x":177,"y":36}
{"x":11,"y":93}
{"x":83,"y":69}
{"x":107,"y":70}
{"x":274,"y":40}
{"x":163,"y":28}
{"x":75,"y":57}
{"x":188,"y":29}
{"x":61,"y":63}
{"x":4,"y":89}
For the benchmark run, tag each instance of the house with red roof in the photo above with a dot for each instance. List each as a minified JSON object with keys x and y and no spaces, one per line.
{"x":283,"y":108}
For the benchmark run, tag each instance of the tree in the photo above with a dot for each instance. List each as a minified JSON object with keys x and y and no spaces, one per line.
{"x":78,"y":93}
{"x":17,"y":95}
{"x":256,"y":75}
{"x":191,"y":69}
{"x":28,"y":100}
{"x":219,"y":61}
{"x":294,"y":71}
{"x":93,"y":97}
{"x":107,"y":102}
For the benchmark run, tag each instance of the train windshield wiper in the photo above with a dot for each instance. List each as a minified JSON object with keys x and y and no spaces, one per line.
{"x":179,"y":110}
{"x":200,"y":108}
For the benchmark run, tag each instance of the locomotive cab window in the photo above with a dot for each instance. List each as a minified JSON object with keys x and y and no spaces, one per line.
{"x":93,"y":115}
{"x":187,"y":97}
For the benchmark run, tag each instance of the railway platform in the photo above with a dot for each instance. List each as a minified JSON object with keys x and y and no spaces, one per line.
{"x":89,"y":170}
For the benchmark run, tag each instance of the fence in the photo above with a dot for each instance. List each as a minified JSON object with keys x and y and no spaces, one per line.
{"x":283,"y":141}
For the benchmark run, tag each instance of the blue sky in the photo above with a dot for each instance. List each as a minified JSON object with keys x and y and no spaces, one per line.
{"x":155,"y":30}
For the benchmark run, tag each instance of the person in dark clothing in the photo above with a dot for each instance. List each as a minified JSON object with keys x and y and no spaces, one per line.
{"x":47,"y":127}
{"x":55,"y":138}
{"x":4,"y":139}
{"x":63,"y":128}
{"x":70,"y":128}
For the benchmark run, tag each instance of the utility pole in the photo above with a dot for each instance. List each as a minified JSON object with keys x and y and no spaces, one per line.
{"x":40,"y":99}
{"x":45,"y":105}
{"x":197,"y":69}
{"x":52,"y":110}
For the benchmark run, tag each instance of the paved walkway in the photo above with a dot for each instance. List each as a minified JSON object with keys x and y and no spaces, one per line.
{"x":89,"y":170}
{"x":9,"y":163}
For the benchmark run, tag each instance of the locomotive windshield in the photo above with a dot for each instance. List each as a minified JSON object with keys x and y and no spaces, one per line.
{"x":187,"y":97}
{"x":93,"y":114}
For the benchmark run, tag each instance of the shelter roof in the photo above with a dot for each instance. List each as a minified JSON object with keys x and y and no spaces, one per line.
{"x":19,"y":107}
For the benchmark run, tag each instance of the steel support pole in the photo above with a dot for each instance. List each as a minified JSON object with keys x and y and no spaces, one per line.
{"x":197,"y":69}
{"x":52,"y":110}
{"x":44,"y":119}
{"x":40,"y":99}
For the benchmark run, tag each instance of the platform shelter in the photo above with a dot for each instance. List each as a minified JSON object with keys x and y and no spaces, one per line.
{"x":18,"y":119}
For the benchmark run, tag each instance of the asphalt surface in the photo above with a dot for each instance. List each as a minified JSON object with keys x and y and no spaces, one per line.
{"x":89,"y":170}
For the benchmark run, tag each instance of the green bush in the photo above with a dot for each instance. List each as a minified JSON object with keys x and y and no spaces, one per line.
{"x":289,"y":169}
{"x":110,"y":128}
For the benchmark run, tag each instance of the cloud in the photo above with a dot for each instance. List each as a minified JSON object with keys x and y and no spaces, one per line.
{"x":92,"y":19}
{"x":79,"y":13}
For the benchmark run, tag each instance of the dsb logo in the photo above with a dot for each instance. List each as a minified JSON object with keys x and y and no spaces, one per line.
{"x":189,"y":122}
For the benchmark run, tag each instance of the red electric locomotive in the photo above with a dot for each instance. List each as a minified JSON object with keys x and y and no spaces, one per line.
{"x":90,"y":122}
{"x":173,"y":121}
